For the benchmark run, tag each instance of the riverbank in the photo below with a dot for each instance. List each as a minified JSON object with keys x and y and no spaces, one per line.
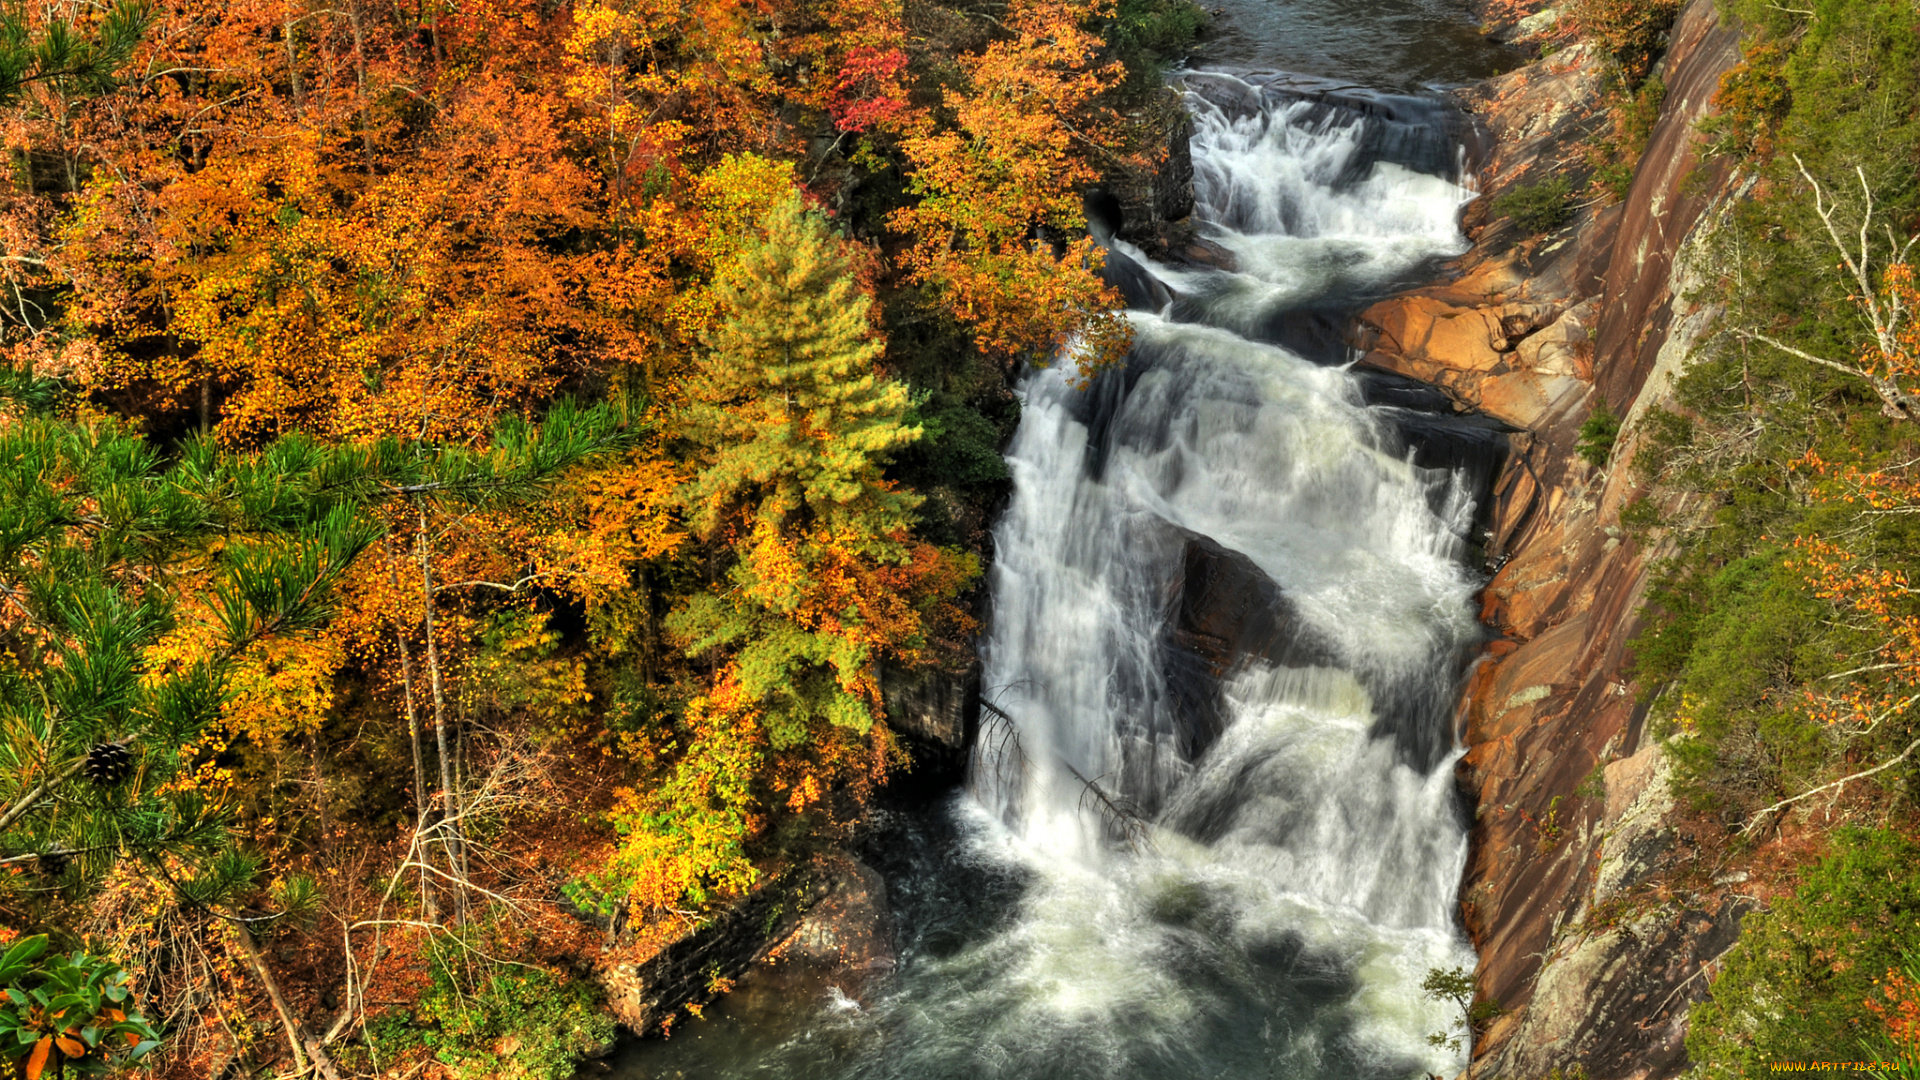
{"x":1588,"y":966}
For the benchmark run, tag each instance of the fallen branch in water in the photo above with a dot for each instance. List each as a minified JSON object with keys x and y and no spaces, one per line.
{"x":1123,"y":818}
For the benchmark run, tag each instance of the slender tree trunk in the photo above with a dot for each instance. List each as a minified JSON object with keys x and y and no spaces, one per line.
{"x":360,"y":80}
{"x":421,"y":803}
{"x":449,"y":792}
{"x":304,"y":1048}
{"x":650,"y":626}
{"x":460,"y":782}
{"x":287,"y":32}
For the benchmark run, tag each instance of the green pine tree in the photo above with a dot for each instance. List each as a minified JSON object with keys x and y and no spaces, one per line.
{"x":100,"y":537}
{"x":96,"y":530}
{"x":58,"y":53}
{"x":796,"y":421}
{"x":798,"y":428}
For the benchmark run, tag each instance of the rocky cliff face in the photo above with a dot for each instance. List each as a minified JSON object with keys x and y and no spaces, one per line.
{"x":1586,"y":945}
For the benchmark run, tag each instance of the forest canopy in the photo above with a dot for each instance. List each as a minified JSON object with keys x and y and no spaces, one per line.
{"x":471,"y":471}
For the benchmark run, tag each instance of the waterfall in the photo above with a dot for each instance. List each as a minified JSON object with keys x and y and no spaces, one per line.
{"x":1229,"y":617}
{"x":1211,"y":830}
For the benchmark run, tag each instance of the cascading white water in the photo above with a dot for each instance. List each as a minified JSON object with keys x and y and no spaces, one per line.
{"x":1217,"y":837}
{"x":1308,"y":821}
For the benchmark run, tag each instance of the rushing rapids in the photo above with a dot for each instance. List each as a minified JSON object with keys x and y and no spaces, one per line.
{"x":1211,"y":829}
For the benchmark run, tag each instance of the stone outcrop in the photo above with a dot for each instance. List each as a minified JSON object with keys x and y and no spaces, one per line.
{"x":820,"y":923}
{"x":936,"y":711}
{"x":1150,"y":201}
{"x":845,"y":942}
{"x":1592,"y":956}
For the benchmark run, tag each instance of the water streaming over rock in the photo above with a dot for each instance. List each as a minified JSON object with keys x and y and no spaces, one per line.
{"x":1306,"y":812}
{"x":1211,"y":829}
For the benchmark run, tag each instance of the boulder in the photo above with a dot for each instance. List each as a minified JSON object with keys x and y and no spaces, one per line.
{"x":846,"y":940}
{"x":1528,"y":399}
{"x":1426,"y":329}
{"x":819,"y":926}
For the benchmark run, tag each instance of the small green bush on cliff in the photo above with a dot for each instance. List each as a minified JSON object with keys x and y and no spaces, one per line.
{"x":1733,"y":645}
{"x":1796,"y":985}
{"x":1537,"y":208}
{"x":1598,"y":434}
{"x":1615,"y":156}
{"x":1630,"y":31}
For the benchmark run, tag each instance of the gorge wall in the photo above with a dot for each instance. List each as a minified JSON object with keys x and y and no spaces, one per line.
{"x":1591,"y":913}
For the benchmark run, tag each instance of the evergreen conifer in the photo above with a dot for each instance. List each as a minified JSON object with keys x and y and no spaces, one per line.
{"x":798,"y":428}
{"x":798,"y":423}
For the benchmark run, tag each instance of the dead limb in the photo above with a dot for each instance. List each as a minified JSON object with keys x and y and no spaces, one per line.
{"x":1843,"y":781}
{"x":307,"y":1051}
{"x":1886,"y":315}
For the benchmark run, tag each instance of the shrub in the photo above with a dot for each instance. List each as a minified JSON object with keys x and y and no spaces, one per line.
{"x":1640,"y":518}
{"x":1735,"y":640}
{"x":1751,"y":102}
{"x":1149,"y":35}
{"x":1796,"y":985}
{"x":1630,"y":31}
{"x":517,"y":1024}
{"x":1598,"y":435}
{"x":1616,"y":155}
{"x":1537,"y":208}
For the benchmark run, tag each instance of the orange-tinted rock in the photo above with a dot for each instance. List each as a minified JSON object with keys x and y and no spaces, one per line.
{"x":1426,"y":329}
{"x":1536,"y":330}
{"x":1529,"y":399}
{"x":1562,"y":348}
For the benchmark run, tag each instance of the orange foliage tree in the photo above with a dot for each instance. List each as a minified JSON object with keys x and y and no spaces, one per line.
{"x":1879,"y":694}
{"x":292,"y":224}
{"x":999,"y":222}
{"x":1899,"y":1008}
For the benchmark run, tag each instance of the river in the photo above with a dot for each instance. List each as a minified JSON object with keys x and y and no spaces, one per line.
{"x":1211,"y":828}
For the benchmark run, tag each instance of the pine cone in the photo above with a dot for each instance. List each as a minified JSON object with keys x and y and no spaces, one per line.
{"x":108,"y":764}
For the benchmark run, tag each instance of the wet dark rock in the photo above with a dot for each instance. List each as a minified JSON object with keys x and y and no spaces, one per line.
{"x":936,"y":711}
{"x":692,"y":970}
{"x":1173,"y":185}
{"x":1200,"y":251}
{"x":824,"y":922}
{"x":1141,"y":290}
{"x":1105,"y":218}
{"x":846,"y":939}
{"x":1150,"y":207}
{"x":1222,"y":609}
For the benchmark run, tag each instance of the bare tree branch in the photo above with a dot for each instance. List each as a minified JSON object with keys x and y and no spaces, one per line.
{"x":1843,"y":781}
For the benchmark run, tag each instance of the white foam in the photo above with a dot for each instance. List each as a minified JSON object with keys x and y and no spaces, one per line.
{"x":1298,"y":823}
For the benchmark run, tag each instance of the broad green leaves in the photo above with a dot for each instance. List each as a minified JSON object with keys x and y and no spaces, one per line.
{"x":71,"y":1014}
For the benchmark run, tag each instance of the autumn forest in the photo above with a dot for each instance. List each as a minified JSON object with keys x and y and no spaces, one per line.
{"x":502,"y":504}
{"x":469,"y":470}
